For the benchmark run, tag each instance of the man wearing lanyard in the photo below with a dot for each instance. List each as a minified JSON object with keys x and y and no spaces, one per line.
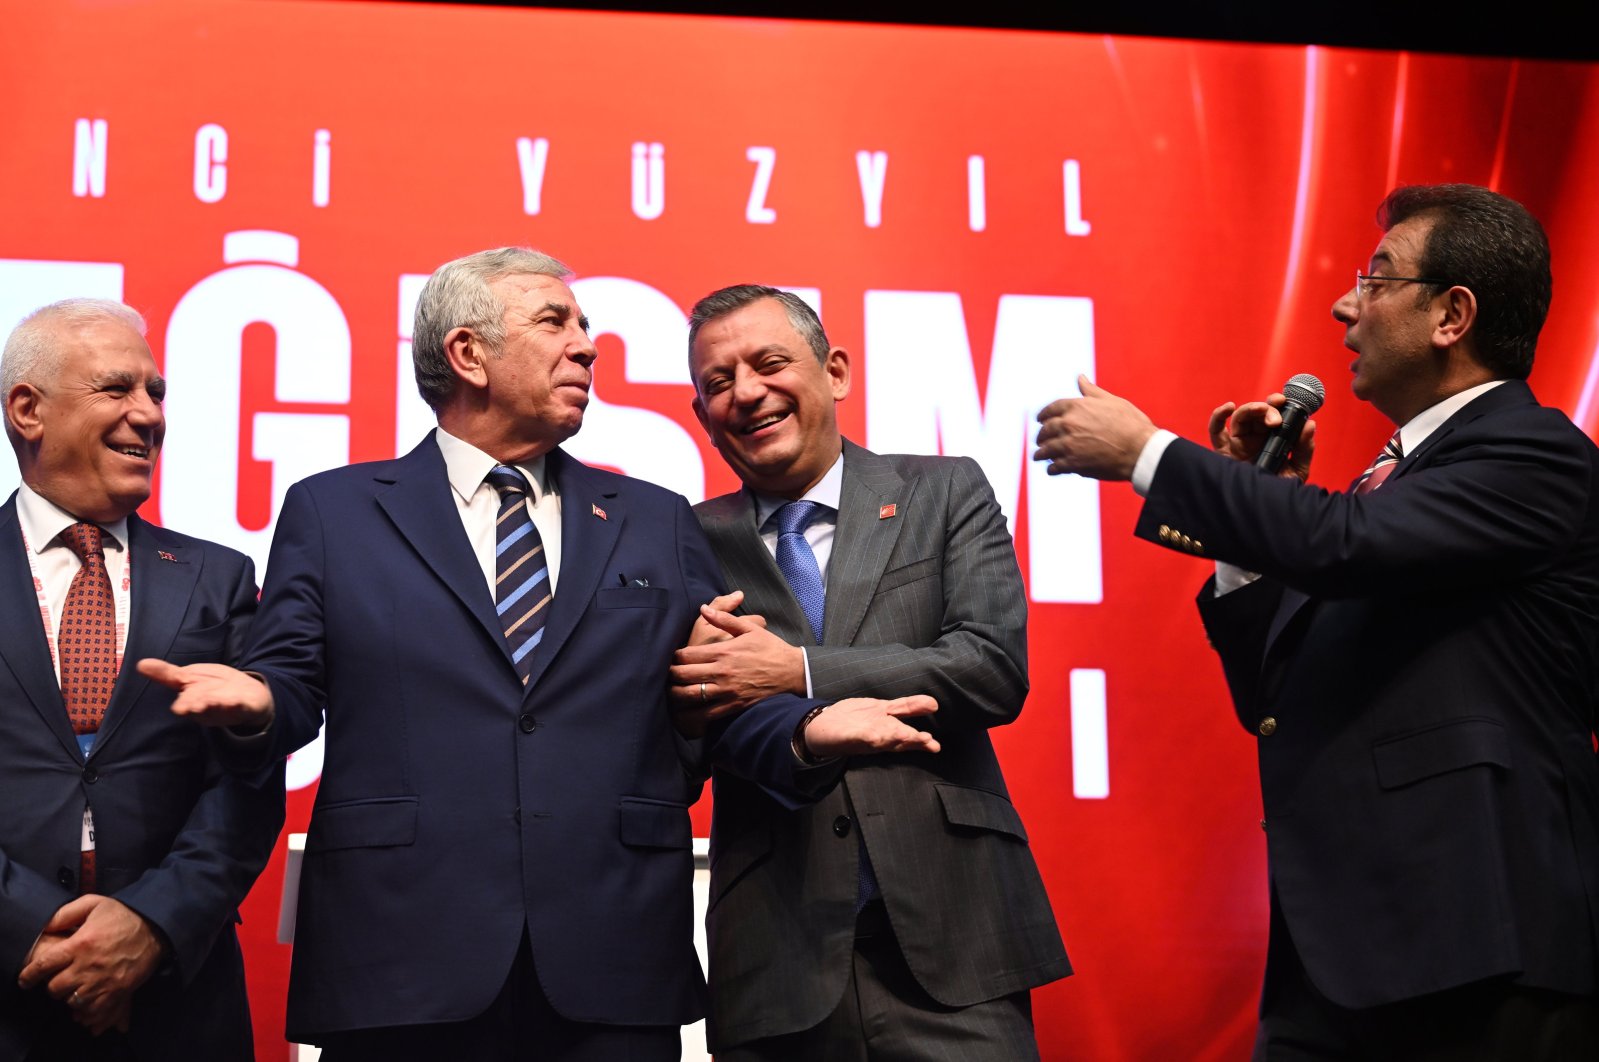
{"x":124,"y":848}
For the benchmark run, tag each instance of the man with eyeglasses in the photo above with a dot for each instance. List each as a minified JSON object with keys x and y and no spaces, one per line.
{"x":1415,"y":656}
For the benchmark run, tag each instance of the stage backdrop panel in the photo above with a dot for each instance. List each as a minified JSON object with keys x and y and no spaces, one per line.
{"x":979,"y":215}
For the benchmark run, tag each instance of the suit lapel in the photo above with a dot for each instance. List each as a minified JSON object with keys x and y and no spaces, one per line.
{"x":864,"y":539}
{"x":418,"y":502}
{"x":729,"y":522}
{"x":1508,"y":394}
{"x":23,"y":649}
{"x":164,"y":575}
{"x":587,"y":541}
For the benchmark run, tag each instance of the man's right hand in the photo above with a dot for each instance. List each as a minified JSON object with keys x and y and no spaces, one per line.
{"x":1240,"y":432}
{"x":213,"y":694}
{"x":860,"y":726}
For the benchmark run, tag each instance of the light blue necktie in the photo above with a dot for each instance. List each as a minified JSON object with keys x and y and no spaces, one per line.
{"x":521,"y":572}
{"x":797,"y":562}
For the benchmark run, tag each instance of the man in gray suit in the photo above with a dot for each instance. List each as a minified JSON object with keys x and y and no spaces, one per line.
{"x":901,"y":916}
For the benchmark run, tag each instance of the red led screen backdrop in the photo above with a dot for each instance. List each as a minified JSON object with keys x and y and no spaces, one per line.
{"x":979,"y":216}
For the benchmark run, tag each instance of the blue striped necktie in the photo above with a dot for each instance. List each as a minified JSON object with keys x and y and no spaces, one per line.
{"x":797,"y":562}
{"x":521,"y":571}
{"x":1381,"y":468}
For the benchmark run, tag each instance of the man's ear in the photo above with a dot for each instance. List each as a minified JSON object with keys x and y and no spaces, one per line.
{"x":22,"y":411}
{"x":1457,"y":315}
{"x":837,"y":368}
{"x":466,"y":353}
{"x":699,"y":415}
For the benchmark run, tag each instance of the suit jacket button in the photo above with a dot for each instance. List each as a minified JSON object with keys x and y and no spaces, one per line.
{"x":90,"y":776}
{"x":841,"y":826}
{"x":1263,"y":824}
{"x":527,"y":723}
{"x":1268,"y":727}
{"x":65,"y":877}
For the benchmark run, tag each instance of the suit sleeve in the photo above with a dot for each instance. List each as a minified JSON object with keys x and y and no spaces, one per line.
{"x":756,"y":745}
{"x":227,"y":838}
{"x":976,"y":668}
{"x":286,"y":641}
{"x":1498,"y":500}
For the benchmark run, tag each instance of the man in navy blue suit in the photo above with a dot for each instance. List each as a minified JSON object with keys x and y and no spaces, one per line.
{"x":499,"y":862}
{"x":125,"y":848}
{"x":1414,"y":657}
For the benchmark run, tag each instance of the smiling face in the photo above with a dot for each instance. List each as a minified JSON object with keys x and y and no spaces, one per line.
{"x":92,"y":429}
{"x":765,"y":400}
{"x":1391,"y":329}
{"x":538,"y":381}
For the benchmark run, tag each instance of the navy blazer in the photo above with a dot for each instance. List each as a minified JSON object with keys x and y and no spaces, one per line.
{"x":1417,"y":666}
{"x":455,"y":805}
{"x":178,"y":839}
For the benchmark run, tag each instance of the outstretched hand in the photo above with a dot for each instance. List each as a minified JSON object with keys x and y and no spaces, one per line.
{"x":1099,"y":435}
{"x":860,"y":726}
{"x":213,"y":694}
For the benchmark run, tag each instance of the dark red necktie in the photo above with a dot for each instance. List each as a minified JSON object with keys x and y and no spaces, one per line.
{"x":87,"y":645}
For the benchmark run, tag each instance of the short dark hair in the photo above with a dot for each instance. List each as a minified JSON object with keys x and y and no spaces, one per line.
{"x":726,"y":300}
{"x":1493,"y":245}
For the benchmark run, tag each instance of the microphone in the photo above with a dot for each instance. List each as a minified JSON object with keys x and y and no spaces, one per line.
{"x":1305,"y":394}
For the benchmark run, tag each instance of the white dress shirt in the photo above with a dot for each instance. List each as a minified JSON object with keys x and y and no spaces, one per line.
{"x":479,"y":504}
{"x":819,"y":532}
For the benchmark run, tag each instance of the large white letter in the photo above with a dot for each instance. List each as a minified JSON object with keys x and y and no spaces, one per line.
{"x":649,"y":180}
{"x":873,"y":169}
{"x":89,"y":158}
{"x":640,"y":442}
{"x":532,"y":156}
{"x":1071,"y":176}
{"x":756,"y":212}
{"x":322,"y":168}
{"x":204,"y":355}
{"x":210,"y":163}
{"x":922,"y":397}
{"x":976,"y":194}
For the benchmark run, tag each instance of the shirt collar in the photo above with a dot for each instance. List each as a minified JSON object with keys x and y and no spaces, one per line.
{"x":827,"y":492}
{"x":466,"y":467}
{"x":42,"y":520}
{"x":1429,"y":420}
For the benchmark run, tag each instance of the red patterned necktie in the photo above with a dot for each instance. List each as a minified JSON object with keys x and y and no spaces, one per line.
{"x":87,"y":645}
{"x":1380,"y":469}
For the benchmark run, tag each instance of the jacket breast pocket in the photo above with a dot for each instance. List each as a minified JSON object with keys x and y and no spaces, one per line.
{"x":909,"y":573}
{"x":654,"y":824}
{"x":632,"y":597}
{"x":380,"y":822}
{"x":979,"y":809}
{"x":204,"y":644}
{"x":1411,"y":758}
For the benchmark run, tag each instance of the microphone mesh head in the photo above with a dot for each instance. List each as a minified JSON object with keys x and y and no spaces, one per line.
{"x":1305,"y":390}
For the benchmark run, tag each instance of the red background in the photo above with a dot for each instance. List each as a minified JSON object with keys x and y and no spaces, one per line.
{"x":1230,"y":190}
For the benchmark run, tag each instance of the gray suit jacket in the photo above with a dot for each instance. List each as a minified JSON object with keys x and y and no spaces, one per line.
{"x":927,"y":599}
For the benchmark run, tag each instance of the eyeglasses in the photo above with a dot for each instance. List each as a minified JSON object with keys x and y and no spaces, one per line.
{"x":1364,"y":282}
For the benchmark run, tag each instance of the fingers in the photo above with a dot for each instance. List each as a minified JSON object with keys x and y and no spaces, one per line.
{"x":726,"y":621}
{"x":909,"y":707}
{"x":727,"y":602}
{"x":1088,"y":387}
{"x":1217,"y":426}
{"x":169,"y":675}
{"x":71,"y":915}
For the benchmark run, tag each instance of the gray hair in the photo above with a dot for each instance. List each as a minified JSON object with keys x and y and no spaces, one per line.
{"x":33,"y":350}
{"x":727,"y":300}
{"x":458,"y":295}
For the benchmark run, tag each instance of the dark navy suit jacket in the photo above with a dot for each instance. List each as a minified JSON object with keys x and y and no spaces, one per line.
{"x":178,"y":839}
{"x":1417,"y":666}
{"x":457,"y":807}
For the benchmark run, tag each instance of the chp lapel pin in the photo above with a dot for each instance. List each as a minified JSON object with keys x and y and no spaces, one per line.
{"x":886,"y":511}
{"x":164,"y":555}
